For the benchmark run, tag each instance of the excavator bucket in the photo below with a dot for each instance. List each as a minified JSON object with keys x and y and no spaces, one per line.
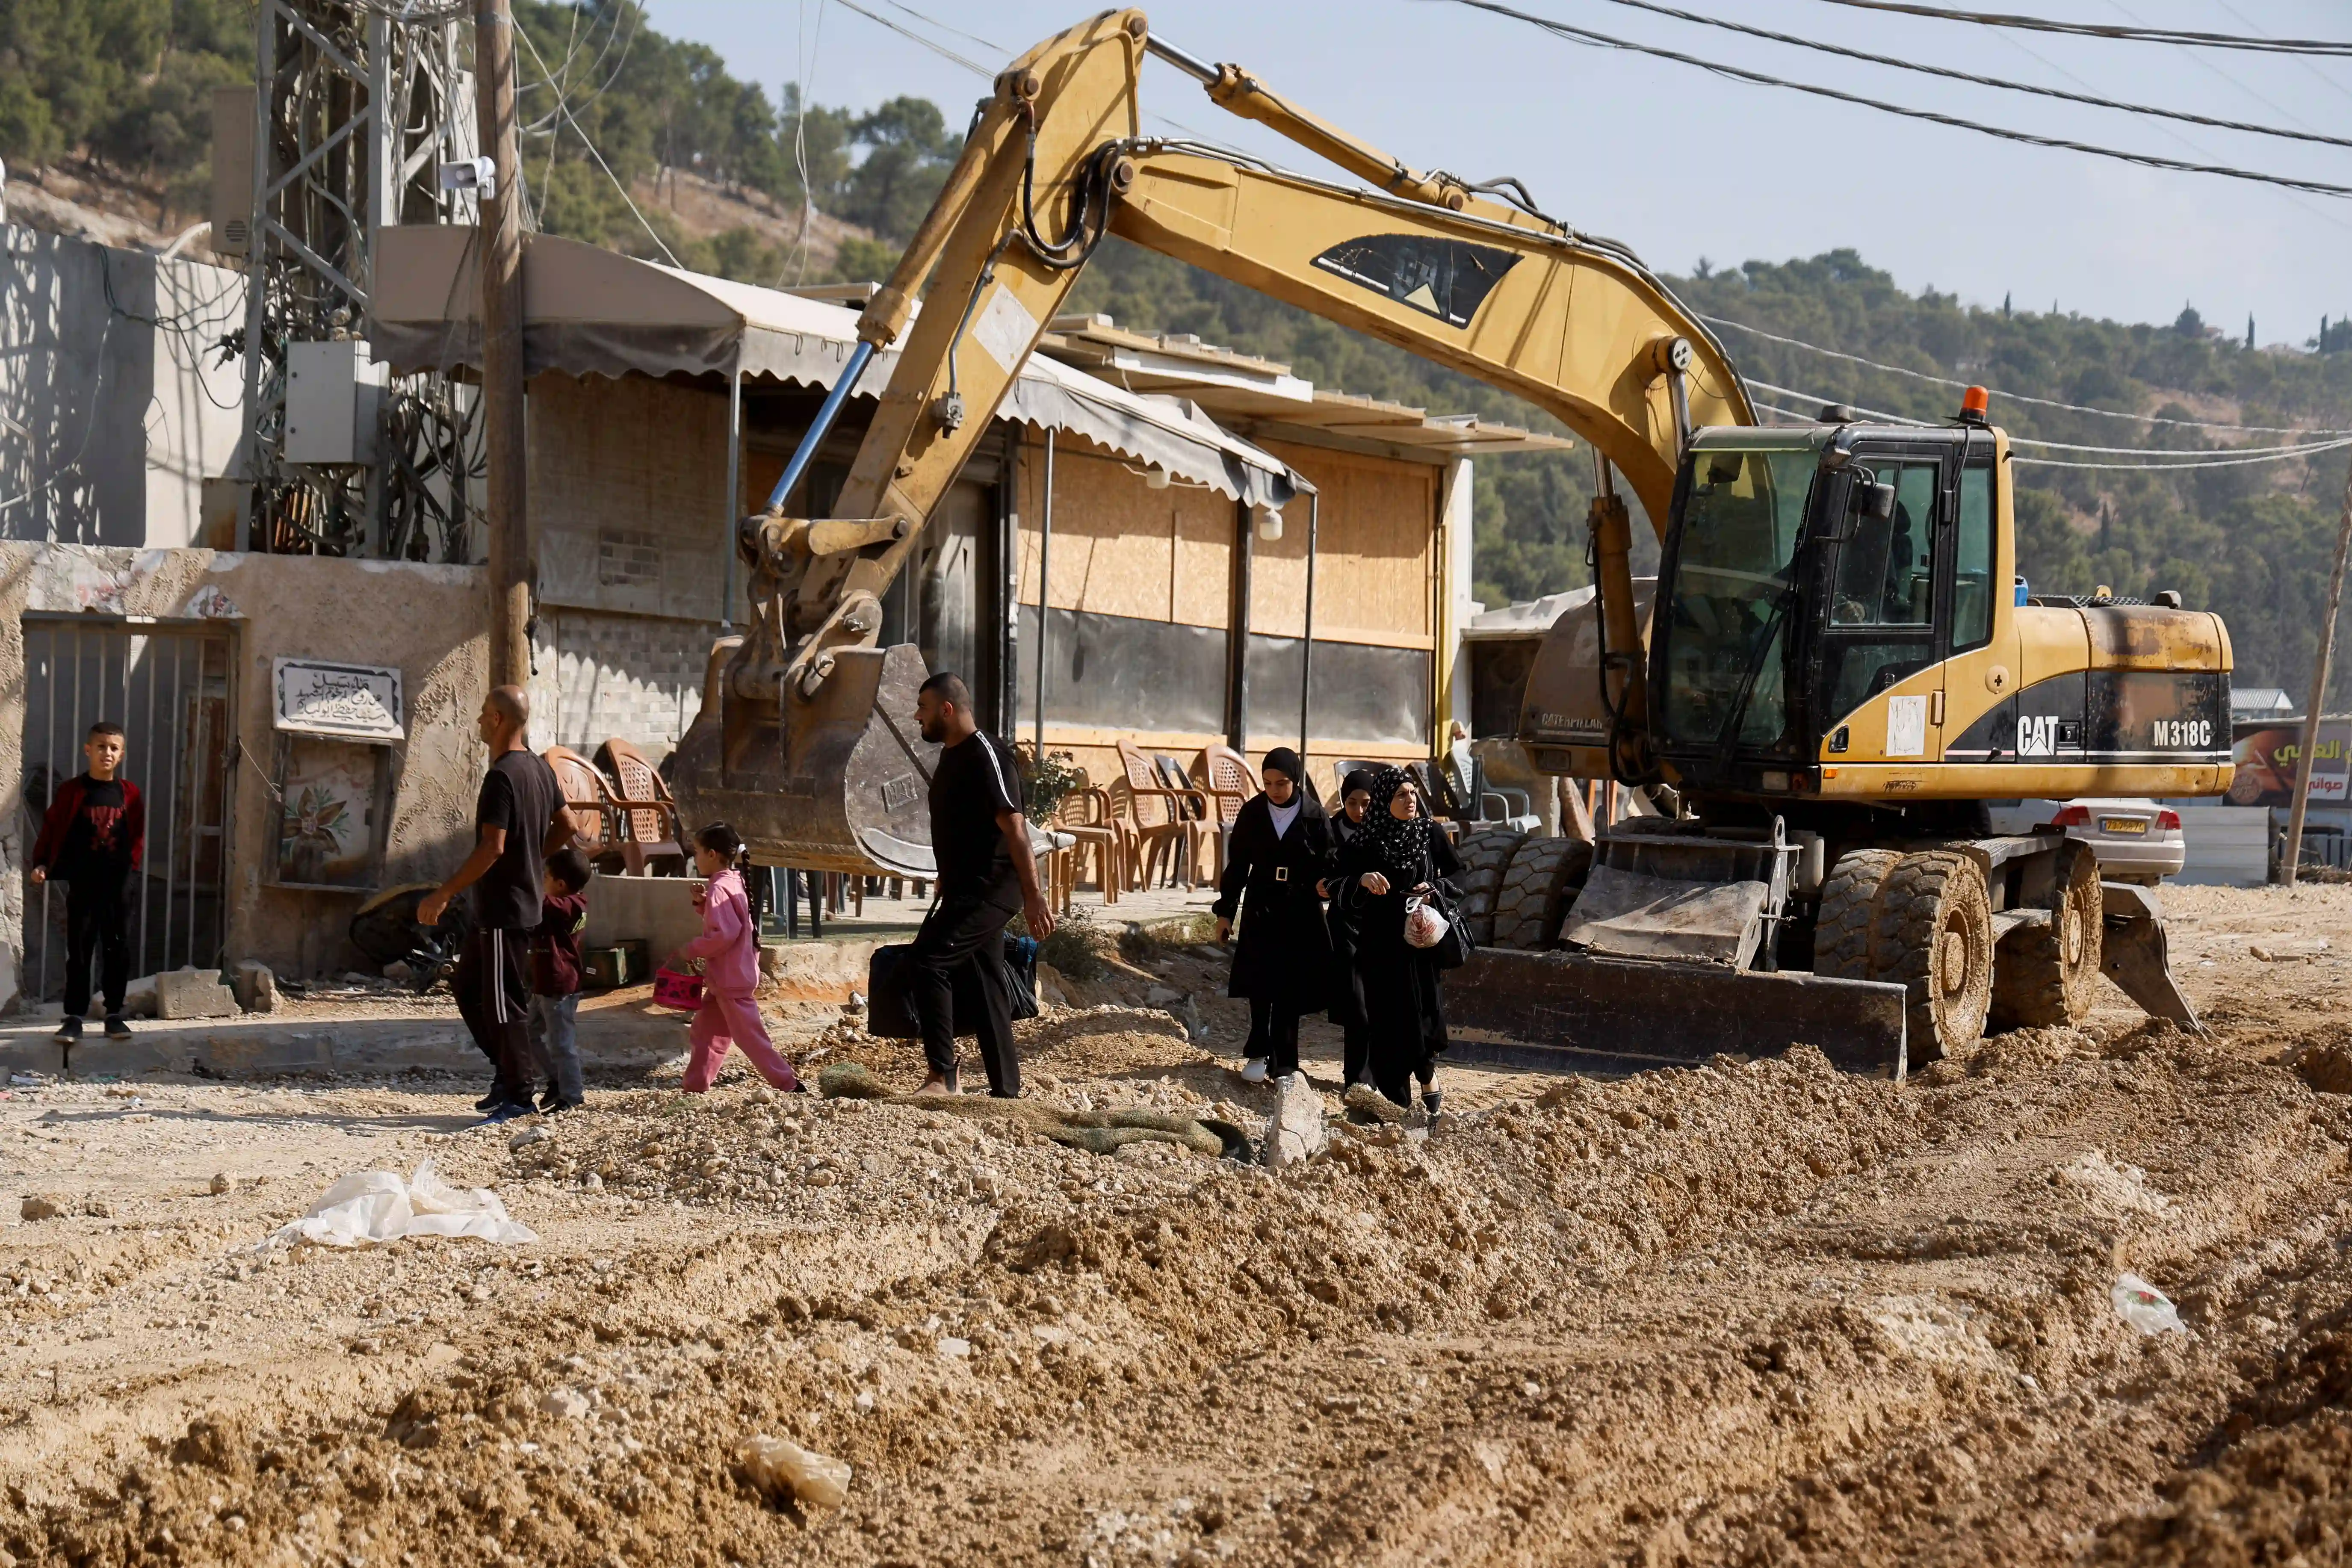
{"x":836,"y":782}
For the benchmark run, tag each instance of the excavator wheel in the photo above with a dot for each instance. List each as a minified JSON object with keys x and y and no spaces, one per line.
{"x":1536,"y":892}
{"x":2045,"y":971}
{"x":1935,"y":936}
{"x":1486,"y":854}
{"x":1846,"y":927}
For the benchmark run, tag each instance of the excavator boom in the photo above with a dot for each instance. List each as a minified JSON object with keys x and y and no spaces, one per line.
{"x":791,"y":744}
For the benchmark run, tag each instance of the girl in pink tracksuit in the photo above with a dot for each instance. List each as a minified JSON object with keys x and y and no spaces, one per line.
{"x":729,"y":949}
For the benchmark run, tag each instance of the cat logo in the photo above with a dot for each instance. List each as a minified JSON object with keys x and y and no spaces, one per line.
{"x":2037,"y":734}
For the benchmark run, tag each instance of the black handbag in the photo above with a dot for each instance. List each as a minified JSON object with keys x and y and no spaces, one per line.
{"x":891,"y":1017}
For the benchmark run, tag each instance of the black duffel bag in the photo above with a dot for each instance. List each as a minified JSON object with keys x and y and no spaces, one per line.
{"x":890,"y":1016}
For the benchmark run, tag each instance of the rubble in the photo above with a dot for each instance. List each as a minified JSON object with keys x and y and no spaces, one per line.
{"x":1553,"y":1330}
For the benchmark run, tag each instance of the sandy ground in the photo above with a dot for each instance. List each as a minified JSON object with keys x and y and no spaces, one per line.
{"x":1756,"y":1312}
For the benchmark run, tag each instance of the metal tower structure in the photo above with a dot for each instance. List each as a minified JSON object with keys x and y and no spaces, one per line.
{"x":357,"y":104}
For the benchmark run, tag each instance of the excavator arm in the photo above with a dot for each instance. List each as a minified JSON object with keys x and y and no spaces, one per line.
{"x":1054,"y":162}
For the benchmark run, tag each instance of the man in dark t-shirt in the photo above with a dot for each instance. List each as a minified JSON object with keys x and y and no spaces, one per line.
{"x":519,"y":819}
{"x":979,"y":842}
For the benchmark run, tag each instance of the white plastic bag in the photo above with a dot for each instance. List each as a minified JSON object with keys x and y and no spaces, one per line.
{"x":378,"y":1206}
{"x":1423,"y":926}
{"x":2145,"y":1308}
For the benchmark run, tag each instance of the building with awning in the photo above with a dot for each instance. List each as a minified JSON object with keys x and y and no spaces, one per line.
{"x":649,"y":387}
{"x":1211,"y":517}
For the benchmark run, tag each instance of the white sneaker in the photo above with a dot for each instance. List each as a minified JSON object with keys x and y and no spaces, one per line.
{"x":1253,"y":1070}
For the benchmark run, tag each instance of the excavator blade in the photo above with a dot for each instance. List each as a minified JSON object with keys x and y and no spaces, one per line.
{"x":836,"y":781}
{"x":1579,"y":1012}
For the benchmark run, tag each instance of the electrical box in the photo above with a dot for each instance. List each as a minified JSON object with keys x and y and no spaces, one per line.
{"x":334,"y":397}
{"x":232,"y":203}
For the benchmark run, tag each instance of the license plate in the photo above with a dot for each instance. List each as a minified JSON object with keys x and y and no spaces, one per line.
{"x":2122,"y":825}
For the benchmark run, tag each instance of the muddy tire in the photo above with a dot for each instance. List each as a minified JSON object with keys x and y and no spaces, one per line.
{"x":1847,"y":925}
{"x":1486,"y":854}
{"x":1536,"y":890}
{"x":1934,"y":936}
{"x":2047,"y":972}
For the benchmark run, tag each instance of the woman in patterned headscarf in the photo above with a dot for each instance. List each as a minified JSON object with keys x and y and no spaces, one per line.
{"x":1400,"y":854}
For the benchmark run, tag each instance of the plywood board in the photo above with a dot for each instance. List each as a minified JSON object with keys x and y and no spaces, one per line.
{"x":1374,"y":553}
{"x":1119,"y":547}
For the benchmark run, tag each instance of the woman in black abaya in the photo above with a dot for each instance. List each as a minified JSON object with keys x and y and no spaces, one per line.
{"x":1349,"y":825}
{"x":1402,"y":853}
{"x":1278,"y":850}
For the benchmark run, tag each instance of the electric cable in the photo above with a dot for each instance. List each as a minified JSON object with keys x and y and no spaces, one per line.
{"x":2189,"y":459}
{"x":2135,"y":34}
{"x":2058,"y":143}
{"x":2015,"y":396}
{"x":940,"y":49}
{"x":2328,"y":439}
{"x":525,"y":35}
{"x":1948,"y":74}
{"x":798,"y":259}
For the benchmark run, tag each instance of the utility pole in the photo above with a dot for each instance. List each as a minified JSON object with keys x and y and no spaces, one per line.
{"x":503,"y":389}
{"x":2310,"y":744}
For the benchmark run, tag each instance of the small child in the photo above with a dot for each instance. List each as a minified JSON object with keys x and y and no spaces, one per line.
{"x":93,"y":837}
{"x":729,"y":949}
{"x":555,"y":978}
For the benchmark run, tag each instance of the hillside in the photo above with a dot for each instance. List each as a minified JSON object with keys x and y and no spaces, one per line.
{"x":2252,"y":541}
{"x":103,"y":91}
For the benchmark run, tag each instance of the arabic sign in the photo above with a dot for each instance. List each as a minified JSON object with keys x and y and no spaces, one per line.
{"x":347,"y":701}
{"x":2267,"y":757}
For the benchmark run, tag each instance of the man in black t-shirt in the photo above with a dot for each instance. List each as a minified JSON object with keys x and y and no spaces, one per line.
{"x":519,"y":819}
{"x":980,"y":841}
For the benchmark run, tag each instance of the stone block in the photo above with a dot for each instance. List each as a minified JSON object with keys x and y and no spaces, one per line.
{"x":193,"y":993}
{"x":255,"y":986}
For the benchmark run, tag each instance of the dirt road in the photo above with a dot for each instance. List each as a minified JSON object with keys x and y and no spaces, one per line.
{"x":1757,"y":1312}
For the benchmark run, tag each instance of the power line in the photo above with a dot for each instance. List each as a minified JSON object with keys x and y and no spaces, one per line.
{"x":2141,"y":35}
{"x":2068,"y":446}
{"x":2016,"y":396}
{"x":2186,"y":460}
{"x":524,"y":34}
{"x":1948,"y":74}
{"x":940,"y":49}
{"x":2060,"y":144}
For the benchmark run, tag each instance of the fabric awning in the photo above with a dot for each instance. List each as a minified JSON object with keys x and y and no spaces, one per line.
{"x":591,"y":312}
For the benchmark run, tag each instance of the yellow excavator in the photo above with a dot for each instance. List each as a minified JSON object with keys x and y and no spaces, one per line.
{"x":1835,"y":669}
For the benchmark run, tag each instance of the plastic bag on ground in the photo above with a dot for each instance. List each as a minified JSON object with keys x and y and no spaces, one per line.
{"x":2145,"y":1308}
{"x":379,"y":1205}
{"x":782,"y":1467}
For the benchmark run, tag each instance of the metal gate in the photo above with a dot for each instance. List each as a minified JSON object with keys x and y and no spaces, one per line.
{"x":169,"y":687}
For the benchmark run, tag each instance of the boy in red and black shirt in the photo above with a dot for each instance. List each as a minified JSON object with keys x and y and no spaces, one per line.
{"x":92,"y":840}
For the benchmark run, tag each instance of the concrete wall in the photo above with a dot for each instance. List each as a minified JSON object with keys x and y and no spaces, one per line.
{"x":630,"y":532}
{"x":428,"y":621}
{"x":114,"y":410}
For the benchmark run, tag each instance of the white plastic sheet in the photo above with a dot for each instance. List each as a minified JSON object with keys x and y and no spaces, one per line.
{"x":379,"y":1205}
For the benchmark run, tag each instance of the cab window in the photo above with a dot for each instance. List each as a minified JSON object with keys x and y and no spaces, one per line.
{"x":1886,"y":572}
{"x":1972,"y":561}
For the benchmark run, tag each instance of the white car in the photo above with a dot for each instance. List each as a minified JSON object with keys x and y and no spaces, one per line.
{"x":2136,"y":840}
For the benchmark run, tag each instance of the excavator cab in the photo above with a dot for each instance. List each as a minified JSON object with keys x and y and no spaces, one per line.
{"x":1807,"y":572}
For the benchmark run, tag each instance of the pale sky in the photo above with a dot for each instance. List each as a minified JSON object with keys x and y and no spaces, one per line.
{"x":1681,"y":163}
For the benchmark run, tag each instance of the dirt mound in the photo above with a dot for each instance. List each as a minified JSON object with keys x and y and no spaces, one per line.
{"x":1750,"y":1312}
